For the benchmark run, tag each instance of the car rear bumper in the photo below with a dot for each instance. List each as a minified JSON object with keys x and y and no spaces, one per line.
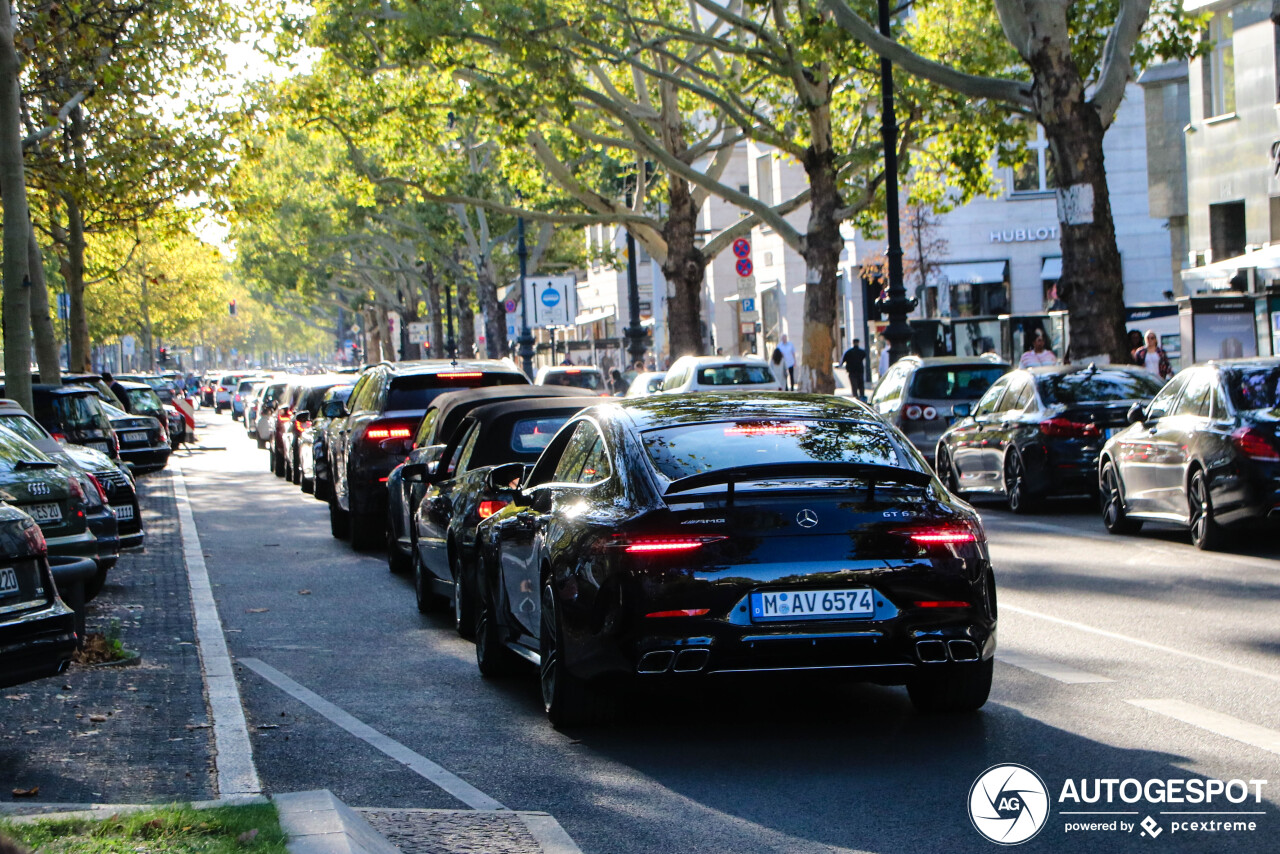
{"x":155,"y":456}
{"x":37,"y":644}
{"x":83,"y":544}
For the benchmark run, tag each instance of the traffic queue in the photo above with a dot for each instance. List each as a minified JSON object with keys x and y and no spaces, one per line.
{"x":715,"y":525}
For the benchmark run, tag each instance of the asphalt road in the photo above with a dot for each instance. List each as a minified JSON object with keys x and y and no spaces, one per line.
{"x":1135,"y":657}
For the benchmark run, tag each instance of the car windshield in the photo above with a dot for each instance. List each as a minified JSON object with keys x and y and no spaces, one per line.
{"x":417,"y":391}
{"x":690,"y":449}
{"x":25,"y":427}
{"x":529,"y":436}
{"x":961,"y":382}
{"x":1254,"y":388}
{"x":80,"y":411}
{"x":144,"y":401}
{"x":575,"y":379}
{"x":1096,"y":387}
{"x":736,"y":375}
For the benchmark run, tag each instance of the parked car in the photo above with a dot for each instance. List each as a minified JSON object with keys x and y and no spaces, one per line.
{"x":143,"y":440}
{"x":225,"y":390}
{"x":718,"y":373}
{"x":473,"y":479}
{"x":266,"y":426}
{"x":1204,"y":453}
{"x":646,"y":383}
{"x":587,"y":377}
{"x":252,"y":409}
{"x":671,"y":539}
{"x":385,"y":407}
{"x":438,"y":424}
{"x":114,"y":479}
{"x":37,"y":629}
{"x":334,"y":401}
{"x":74,"y":414}
{"x":1037,"y":433}
{"x":240,"y":398}
{"x":919,"y":395}
{"x":305,"y":408}
{"x":207,"y":386}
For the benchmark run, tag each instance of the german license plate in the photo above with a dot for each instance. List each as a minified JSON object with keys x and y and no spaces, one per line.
{"x":99,"y":446}
{"x":135,"y":437}
{"x":45,"y":512}
{"x":8,"y":581}
{"x":124,"y":512}
{"x":812,"y":604}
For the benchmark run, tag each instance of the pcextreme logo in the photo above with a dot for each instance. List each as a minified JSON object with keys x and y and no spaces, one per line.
{"x":1008,"y":804}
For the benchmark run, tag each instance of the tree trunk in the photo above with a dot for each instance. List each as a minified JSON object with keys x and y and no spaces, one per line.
{"x":495,"y":318}
{"x":17,"y":222}
{"x":42,"y":330}
{"x":78,"y":359}
{"x":684,"y":269}
{"x":435,"y":313}
{"x":822,"y":245}
{"x":466,"y":317}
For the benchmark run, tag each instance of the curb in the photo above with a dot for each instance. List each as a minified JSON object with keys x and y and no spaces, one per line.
{"x":22,"y":813}
{"x":318,"y":823}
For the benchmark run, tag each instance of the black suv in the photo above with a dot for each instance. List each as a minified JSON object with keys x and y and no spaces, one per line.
{"x":74,"y":414}
{"x":376,"y":433}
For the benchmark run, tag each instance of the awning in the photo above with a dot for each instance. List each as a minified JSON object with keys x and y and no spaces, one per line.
{"x":592,"y":317}
{"x":1220,"y":273}
{"x":1051,"y":271}
{"x":732,"y":298}
{"x":970,"y":273}
{"x":646,"y":322}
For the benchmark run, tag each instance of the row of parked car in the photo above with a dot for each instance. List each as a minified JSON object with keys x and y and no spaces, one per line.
{"x":68,"y":510}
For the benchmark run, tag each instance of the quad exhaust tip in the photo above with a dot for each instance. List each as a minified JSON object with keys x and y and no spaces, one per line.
{"x":655,"y":662}
{"x":691,"y":660}
{"x":662,"y":660}
{"x":931,"y":651}
{"x":963,"y":650}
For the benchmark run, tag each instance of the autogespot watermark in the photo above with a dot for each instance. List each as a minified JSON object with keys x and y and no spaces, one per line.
{"x":1009,"y":804}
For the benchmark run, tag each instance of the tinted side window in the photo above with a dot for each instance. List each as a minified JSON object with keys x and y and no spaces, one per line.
{"x":1162,"y":402}
{"x":467,"y":451}
{"x":575,"y":453}
{"x":891,"y":388}
{"x":991,"y":400}
{"x":596,"y":468}
{"x":1195,"y":398}
{"x":1017,"y":398}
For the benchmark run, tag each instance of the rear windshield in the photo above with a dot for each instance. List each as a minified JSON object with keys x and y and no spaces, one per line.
{"x":954,"y":383}
{"x":24,"y":427}
{"x":689,"y":449}
{"x":736,"y":375}
{"x":245,"y":385}
{"x":144,"y":401}
{"x":575,"y":379}
{"x":80,"y":412}
{"x":1254,"y":388}
{"x":14,"y":450}
{"x":417,"y":392}
{"x":529,"y":436}
{"x":1097,"y":387}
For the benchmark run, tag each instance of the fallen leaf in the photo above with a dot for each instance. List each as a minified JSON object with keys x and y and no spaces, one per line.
{"x":304,"y":592}
{"x":256,"y":610}
{"x":17,"y":696}
{"x":98,"y":719}
{"x":31,"y":732}
{"x":26,"y":793}
{"x":155,"y":822}
{"x":247,"y":837}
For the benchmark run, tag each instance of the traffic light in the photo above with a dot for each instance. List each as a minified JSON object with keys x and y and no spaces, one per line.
{"x":232,"y":308}
{"x":355,"y":353}
{"x":162,"y":355}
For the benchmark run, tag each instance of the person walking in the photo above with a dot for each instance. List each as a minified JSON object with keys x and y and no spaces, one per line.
{"x":854,"y":360}
{"x":1151,"y":357}
{"x":1039,"y":354}
{"x":777,"y":364}
{"x":617,"y":384}
{"x":788,"y":359}
{"x":885,"y":358}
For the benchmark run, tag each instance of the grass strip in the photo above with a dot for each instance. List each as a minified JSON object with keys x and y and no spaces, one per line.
{"x":175,"y":829}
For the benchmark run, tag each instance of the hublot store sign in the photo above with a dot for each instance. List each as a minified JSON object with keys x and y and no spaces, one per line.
{"x":1025,"y":235}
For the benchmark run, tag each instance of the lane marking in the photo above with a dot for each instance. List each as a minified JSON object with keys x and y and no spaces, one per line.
{"x":1159,"y":647}
{"x":233,"y":751}
{"x":416,"y":762}
{"x":1048,"y":667}
{"x":1215,"y":722}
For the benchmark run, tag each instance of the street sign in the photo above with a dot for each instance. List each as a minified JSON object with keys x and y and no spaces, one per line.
{"x":744,"y":267}
{"x":742,"y":248}
{"x":128,"y":345}
{"x":552,"y":300}
{"x":64,"y":306}
{"x":748,"y":305}
{"x":746,"y":287}
{"x":747,"y":327}
{"x":419,"y":332}
{"x":510,"y":306}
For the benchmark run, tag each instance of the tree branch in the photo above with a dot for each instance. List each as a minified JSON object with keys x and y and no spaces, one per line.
{"x":1117,"y":62}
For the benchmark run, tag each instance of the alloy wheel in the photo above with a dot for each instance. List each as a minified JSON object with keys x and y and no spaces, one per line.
{"x":1204,"y":528}
{"x":1015,"y":483}
{"x":548,"y":669}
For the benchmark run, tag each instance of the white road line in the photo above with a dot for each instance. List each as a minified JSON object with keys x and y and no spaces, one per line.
{"x":233,"y":751}
{"x":1050,"y":668}
{"x":416,"y":762}
{"x":550,"y":836}
{"x":1215,"y":722}
{"x":1084,"y":627}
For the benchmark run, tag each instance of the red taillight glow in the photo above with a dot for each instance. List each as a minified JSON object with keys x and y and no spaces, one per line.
{"x":284,"y":415}
{"x":379,"y":433}
{"x":488,"y":508}
{"x":929,"y":538}
{"x":1254,"y":445}
{"x":1065,"y":428}
{"x":300,"y":426}
{"x":912,"y":412}
{"x":98,"y":484}
{"x":667,"y":545}
{"x":928,"y":413}
{"x":461,"y":375}
{"x":60,"y":437}
{"x":790,"y":429}
{"x":945,"y":603}
{"x":35,"y":538}
{"x":686,"y":612}
{"x":573,"y":370}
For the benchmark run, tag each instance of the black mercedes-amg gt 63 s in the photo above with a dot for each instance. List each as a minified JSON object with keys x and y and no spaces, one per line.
{"x":680,"y":537}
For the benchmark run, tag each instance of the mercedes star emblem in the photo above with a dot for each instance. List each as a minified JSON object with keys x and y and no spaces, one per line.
{"x":807,"y":518}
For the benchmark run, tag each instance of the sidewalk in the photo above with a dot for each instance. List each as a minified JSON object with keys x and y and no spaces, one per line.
{"x":114,"y":734}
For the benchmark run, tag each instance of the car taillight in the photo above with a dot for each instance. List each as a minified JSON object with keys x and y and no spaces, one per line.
{"x":461,"y":375}
{"x":912,"y":412}
{"x":488,"y":508}
{"x":301,"y":426}
{"x":1065,"y":428}
{"x":659,"y":545}
{"x":98,"y":485}
{"x":35,"y":539}
{"x":377,"y":434}
{"x":942,"y":603}
{"x":766,"y":429}
{"x":928,"y":413}
{"x":284,"y":415}
{"x":942,"y":535}
{"x":1255,"y":445}
{"x":60,"y":438}
{"x":77,"y":491}
{"x":682,"y":612}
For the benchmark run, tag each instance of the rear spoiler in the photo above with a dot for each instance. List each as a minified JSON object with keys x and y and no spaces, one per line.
{"x":873,"y":474}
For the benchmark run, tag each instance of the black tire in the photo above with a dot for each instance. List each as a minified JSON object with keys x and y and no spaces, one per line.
{"x":1206,"y":533}
{"x":492,"y":656}
{"x":428,"y":602}
{"x":952,"y":688}
{"x":464,"y":606}
{"x":307,"y":484}
{"x":368,"y":531}
{"x":323,"y":490}
{"x":1016,"y":490}
{"x":946,"y":471}
{"x":295,"y":473}
{"x":93,"y":586}
{"x":567,"y":699}
{"x":339,"y":521}
{"x":397,"y":561}
{"x":277,"y":463}
{"x":1114,"y":517}
{"x":262,"y":443}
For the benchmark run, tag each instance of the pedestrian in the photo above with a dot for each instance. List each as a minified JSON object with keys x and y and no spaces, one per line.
{"x":789,"y":359}
{"x":1038,"y":354}
{"x":116,"y":389}
{"x":854,"y":361}
{"x":617,"y":383}
{"x":568,"y":360}
{"x":637,"y":367}
{"x":777,"y":364}
{"x":1152,"y":357}
{"x":1135,"y":341}
{"x":885,"y":359}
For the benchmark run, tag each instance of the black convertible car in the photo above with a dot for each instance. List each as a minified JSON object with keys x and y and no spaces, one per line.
{"x":680,"y":537}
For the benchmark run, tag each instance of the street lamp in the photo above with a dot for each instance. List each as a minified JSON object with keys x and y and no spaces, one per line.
{"x":526,"y":334}
{"x":634,"y":331}
{"x":898,"y":305}
{"x":450,"y":346}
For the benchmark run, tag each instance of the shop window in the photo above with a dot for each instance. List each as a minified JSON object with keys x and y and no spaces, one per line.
{"x":1034,"y":170}
{"x":1217,"y":68}
{"x":1226,"y":230}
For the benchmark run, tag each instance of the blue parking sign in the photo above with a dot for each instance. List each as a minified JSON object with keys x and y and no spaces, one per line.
{"x":749,"y":304}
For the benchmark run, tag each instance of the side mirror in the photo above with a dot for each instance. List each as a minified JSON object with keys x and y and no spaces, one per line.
{"x":961,"y":410}
{"x":522,"y":498}
{"x":1135,"y":415}
{"x":414,"y":472}
{"x":504,"y":477}
{"x":302,"y":415}
{"x":432,"y":453}
{"x":541,"y":500}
